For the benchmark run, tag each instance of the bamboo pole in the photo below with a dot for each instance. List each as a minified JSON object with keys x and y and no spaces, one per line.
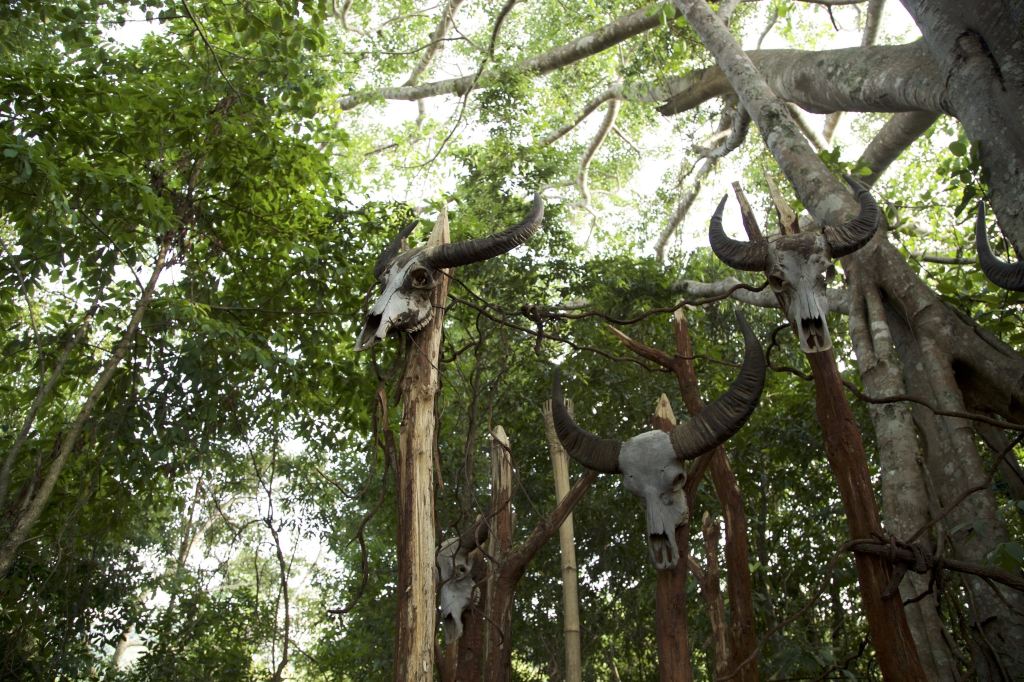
{"x":417,"y":601}
{"x":567,"y":543}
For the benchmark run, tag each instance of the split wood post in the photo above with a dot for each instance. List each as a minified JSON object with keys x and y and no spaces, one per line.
{"x":498,"y":630}
{"x":670,"y":604}
{"x":417,"y":600}
{"x":471,"y":656}
{"x":742,"y":635}
{"x":567,"y":543}
{"x":819,"y":189}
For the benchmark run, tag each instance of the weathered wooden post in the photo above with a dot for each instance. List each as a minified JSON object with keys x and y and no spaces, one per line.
{"x":671,"y":607}
{"x":567,"y":544}
{"x":414,"y":287}
{"x":742,"y":636}
{"x":497,"y":638}
{"x":417,"y":610}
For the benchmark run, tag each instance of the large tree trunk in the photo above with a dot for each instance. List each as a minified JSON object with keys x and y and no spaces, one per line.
{"x":830,"y":204}
{"x":944,"y":360}
{"x":881,"y":78}
{"x":978,"y":49}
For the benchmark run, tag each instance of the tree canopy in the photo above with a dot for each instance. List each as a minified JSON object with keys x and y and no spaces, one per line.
{"x":198,"y":469}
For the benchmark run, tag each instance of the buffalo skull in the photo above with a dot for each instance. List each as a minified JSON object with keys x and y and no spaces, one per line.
{"x":798,"y":265}
{"x":408,"y":279}
{"x":651,"y":464}
{"x":1007,"y":275}
{"x":455,"y":559}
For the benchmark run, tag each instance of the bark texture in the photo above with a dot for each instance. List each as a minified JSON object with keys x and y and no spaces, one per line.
{"x":979,"y":52}
{"x":828,"y":203}
{"x":880,"y":78}
{"x":417,"y":600}
{"x":670,"y":603}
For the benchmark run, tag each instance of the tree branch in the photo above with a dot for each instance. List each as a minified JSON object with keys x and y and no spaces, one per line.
{"x":623,"y":28}
{"x":881,"y":78}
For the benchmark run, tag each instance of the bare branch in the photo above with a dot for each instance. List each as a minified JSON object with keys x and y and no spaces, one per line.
{"x":623,"y":28}
{"x":838,"y":300}
{"x":436,"y":41}
{"x":602,"y":134}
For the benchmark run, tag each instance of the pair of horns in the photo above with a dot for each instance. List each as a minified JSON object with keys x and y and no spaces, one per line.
{"x":715,"y":424}
{"x":470,"y":250}
{"x":1007,"y":275}
{"x":842,"y":240}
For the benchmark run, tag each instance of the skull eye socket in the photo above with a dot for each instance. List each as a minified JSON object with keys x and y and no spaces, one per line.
{"x":460,"y":569}
{"x":420,"y":278}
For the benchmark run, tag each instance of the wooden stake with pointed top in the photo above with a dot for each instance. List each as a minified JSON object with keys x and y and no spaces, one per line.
{"x":417,"y":601}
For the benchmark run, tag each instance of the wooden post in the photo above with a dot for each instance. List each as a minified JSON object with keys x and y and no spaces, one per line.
{"x":890,"y":634}
{"x":417,"y":601}
{"x":742,"y":633}
{"x":742,"y":636}
{"x":567,"y":543}
{"x":670,"y":605}
{"x":498,"y":637}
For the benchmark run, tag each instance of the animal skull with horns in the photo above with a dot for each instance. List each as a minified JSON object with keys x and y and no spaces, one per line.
{"x":796,"y":264}
{"x":651,"y":464}
{"x":455,"y":572}
{"x":1007,"y":275}
{"x":408,"y":279}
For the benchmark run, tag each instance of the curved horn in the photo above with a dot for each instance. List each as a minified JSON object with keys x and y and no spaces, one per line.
{"x":391,"y":251}
{"x":599,"y":454}
{"x":736,"y":254}
{"x":717,"y":422}
{"x":474,"y":536}
{"x":474,"y":250}
{"x":855,"y":233}
{"x":1007,"y":275}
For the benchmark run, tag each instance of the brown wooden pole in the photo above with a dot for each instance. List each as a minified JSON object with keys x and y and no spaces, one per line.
{"x":417,"y":601}
{"x":567,"y":544}
{"x":739,"y":584}
{"x":670,"y":604}
{"x":887,"y":622}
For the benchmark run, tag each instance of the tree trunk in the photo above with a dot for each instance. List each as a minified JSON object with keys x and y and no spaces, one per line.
{"x":567,"y":544}
{"x":742,"y":631}
{"x":417,"y":601}
{"x":979,"y":53}
{"x":829,"y":203}
{"x":894,"y":645}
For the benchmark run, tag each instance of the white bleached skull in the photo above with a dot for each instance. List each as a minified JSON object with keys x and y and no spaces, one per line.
{"x":799,"y":265}
{"x":652,"y":471}
{"x":408,"y":279}
{"x":455,"y":560}
{"x":799,"y":270}
{"x":651,"y":464}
